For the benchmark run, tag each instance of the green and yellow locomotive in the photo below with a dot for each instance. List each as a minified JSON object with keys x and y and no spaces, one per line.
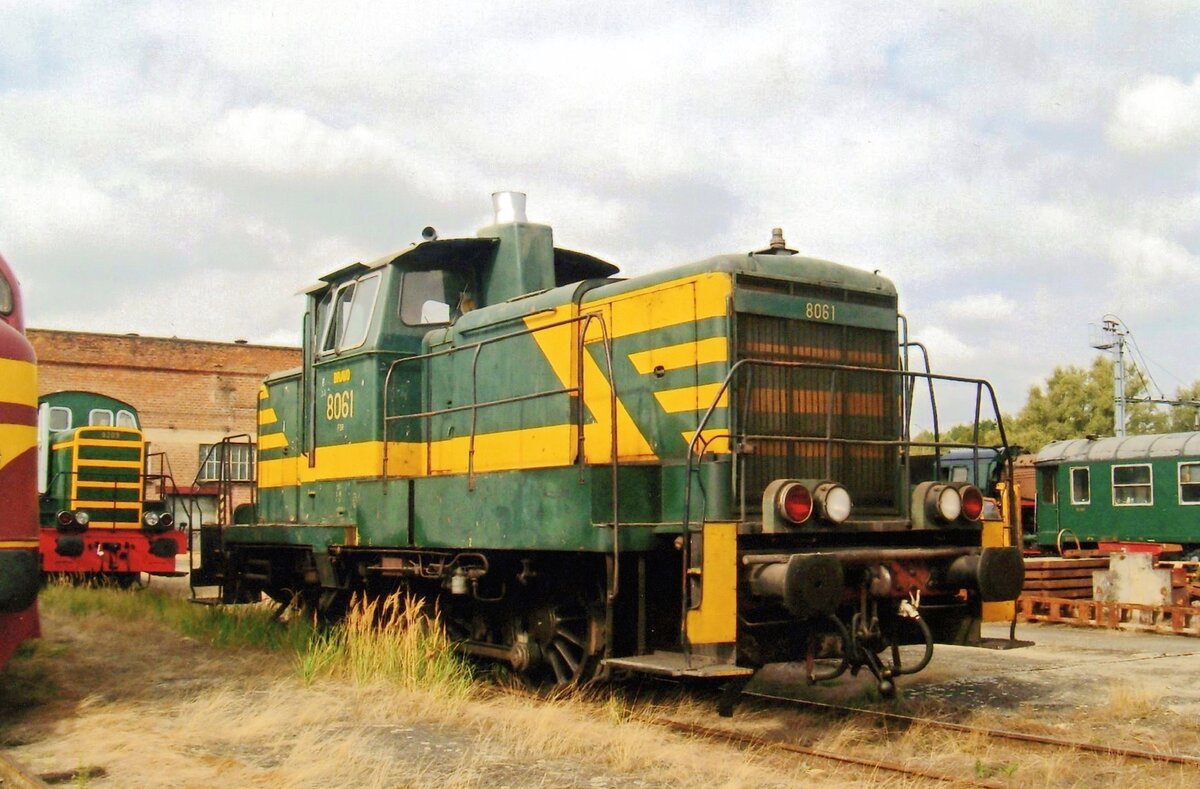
{"x":690,"y":473}
{"x":96,"y":522}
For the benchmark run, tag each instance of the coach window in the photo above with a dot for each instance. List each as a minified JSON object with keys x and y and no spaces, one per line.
{"x":1081,"y":486}
{"x":1132,"y":486}
{"x":125,"y":419}
{"x":100,"y":417}
{"x":351,"y":314}
{"x":1048,"y":477}
{"x":1189,"y":483}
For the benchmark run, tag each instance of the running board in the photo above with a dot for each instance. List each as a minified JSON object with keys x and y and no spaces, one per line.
{"x":677,"y":664}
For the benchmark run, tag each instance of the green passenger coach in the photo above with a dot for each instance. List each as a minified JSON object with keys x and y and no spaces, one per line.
{"x":1129,"y":489}
{"x":691,"y":472}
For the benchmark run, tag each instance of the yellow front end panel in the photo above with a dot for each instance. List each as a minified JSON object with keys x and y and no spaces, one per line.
{"x":715,"y":621}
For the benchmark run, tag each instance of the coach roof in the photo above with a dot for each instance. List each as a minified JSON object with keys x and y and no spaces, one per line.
{"x":1085,"y":450}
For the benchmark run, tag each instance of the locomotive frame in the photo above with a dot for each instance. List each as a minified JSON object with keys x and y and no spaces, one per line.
{"x":692,"y":472}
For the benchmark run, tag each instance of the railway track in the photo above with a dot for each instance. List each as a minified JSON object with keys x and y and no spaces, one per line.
{"x":766,"y":744}
{"x":967,"y":775}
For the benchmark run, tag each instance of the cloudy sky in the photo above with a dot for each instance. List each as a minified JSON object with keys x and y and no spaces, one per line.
{"x":1018,"y":169}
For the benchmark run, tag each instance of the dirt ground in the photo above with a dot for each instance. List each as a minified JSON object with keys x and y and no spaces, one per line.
{"x":142,"y":705}
{"x":137,"y":704}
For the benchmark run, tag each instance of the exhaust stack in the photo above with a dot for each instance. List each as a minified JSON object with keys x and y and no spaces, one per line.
{"x":524,"y":260}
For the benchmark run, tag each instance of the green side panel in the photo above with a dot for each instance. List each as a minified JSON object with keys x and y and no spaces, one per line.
{"x":381,"y":511}
{"x":1165,"y":521}
{"x":654,"y":494}
{"x":319,"y":537}
{"x":543,"y":509}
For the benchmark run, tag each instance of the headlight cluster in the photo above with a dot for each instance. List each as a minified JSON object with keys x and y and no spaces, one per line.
{"x":788,"y":503}
{"x":157,"y":521}
{"x":68,"y":521}
{"x":937,"y":503}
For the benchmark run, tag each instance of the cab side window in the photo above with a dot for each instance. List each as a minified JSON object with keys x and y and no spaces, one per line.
{"x":434,"y":297}
{"x":60,"y":418}
{"x":349,"y":316}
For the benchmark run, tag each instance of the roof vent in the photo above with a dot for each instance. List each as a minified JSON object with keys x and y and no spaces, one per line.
{"x":509,"y":207}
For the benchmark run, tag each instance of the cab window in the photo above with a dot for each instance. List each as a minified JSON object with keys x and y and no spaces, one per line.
{"x":126,"y":419}
{"x":100,"y":417}
{"x":433,"y":297}
{"x":60,"y":418}
{"x":350,"y":315}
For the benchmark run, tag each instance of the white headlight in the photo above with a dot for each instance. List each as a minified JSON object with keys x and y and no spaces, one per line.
{"x":150,"y":519}
{"x":82,"y":517}
{"x":949,"y":504}
{"x":836,"y":504}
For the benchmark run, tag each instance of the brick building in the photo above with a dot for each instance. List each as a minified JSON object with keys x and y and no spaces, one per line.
{"x":189,"y":395}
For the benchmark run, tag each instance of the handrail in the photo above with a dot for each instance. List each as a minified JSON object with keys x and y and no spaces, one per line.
{"x":905,"y":440}
{"x":582,"y":324}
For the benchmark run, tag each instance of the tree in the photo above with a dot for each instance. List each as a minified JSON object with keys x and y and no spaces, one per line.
{"x":1077,"y":403}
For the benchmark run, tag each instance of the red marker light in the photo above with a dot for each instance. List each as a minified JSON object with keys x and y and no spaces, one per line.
{"x":795,"y":503}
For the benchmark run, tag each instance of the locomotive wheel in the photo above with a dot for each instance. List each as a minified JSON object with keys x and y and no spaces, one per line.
{"x":570,"y":638}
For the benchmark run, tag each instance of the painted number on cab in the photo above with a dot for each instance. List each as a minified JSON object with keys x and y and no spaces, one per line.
{"x":819,"y":311}
{"x":339,"y":405}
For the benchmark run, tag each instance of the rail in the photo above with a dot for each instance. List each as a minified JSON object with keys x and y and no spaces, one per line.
{"x":582,"y":324}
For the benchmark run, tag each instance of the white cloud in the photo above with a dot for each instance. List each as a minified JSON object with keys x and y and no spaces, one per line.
{"x":1159,"y":113}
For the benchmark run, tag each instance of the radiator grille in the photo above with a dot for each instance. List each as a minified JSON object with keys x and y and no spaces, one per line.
{"x":775,"y":401}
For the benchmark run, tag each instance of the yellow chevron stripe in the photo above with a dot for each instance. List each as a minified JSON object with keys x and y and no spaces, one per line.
{"x":272,"y":440}
{"x":263,"y":394}
{"x":538,"y":447}
{"x":691,"y":398}
{"x":657,"y":306}
{"x":103,"y":463}
{"x":266,"y":416}
{"x":15,"y":440}
{"x":685,"y":354}
{"x":20,"y":382}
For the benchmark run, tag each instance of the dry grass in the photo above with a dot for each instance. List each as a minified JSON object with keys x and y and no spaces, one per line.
{"x":392,"y":639}
{"x":156,"y":702}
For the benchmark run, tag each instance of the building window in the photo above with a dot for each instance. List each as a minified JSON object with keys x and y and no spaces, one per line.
{"x":1081,"y":486}
{"x":237,"y":460}
{"x":1132,"y":486}
{"x":1189,"y":483}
